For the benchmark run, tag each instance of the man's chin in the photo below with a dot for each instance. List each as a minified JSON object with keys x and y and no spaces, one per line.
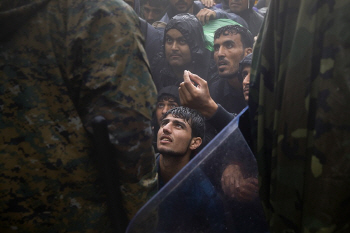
{"x":170,"y":153}
{"x":226,"y":75}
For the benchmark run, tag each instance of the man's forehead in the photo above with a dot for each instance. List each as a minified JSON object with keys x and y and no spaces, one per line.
{"x":174,"y":33}
{"x":152,"y":6}
{"x":227,"y":37}
{"x":167,"y":99}
{"x":170,"y":117}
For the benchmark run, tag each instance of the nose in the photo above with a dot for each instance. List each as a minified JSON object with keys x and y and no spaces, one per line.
{"x":165,"y":109}
{"x":174,"y":46}
{"x":166,"y":128}
{"x":246,"y":80}
{"x":221,"y":52}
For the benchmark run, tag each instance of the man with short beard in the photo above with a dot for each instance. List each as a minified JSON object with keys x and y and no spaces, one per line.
{"x":179,"y":137}
{"x":180,"y":134}
{"x":231,"y":44}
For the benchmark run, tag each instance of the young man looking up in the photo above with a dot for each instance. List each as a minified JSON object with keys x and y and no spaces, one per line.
{"x":168,"y":98}
{"x":180,"y":134}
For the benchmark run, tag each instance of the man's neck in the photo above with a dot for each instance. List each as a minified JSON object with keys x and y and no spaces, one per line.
{"x":170,"y":165}
{"x":234,"y":82}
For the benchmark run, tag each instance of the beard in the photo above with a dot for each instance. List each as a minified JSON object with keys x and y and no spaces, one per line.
{"x":172,"y":153}
{"x":229,"y":76}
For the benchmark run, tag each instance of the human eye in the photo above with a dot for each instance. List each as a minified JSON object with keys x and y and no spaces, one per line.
{"x":229,"y":45}
{"x":168,"y":40}
{"x":173,"y":105}
{"x":163,"y":123}
{"x":216,"y":48}
{"x":160,"y":105}
{"x":179,"y":126}
{"x":244,"y":74}
{"x":182,"y":42}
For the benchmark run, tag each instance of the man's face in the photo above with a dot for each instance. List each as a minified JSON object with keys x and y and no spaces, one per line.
{"x":164,"y":105}
{"x":246,"y":80}
{"x":152,"y":13}
{"x":237,"y":6}
{"x":182,"y":6}
{"x":228,"y":52}
{"x":174,"y":137}
{"x":177,"y":51}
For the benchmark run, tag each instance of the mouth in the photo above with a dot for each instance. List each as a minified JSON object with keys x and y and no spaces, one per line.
{"x":165,"y":139}
{"x":235,"y":4}
{"x":175,"y":55}
{"x":222,"y":63}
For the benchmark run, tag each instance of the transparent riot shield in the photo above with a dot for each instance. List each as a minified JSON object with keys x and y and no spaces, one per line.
{"x":215,"y":192}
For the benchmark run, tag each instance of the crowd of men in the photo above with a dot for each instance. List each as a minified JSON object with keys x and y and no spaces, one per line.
{"x":145,"y":67}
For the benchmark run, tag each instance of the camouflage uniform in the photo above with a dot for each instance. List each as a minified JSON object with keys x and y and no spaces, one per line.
{"x":299,"y":101}
{"x":62,"y":62}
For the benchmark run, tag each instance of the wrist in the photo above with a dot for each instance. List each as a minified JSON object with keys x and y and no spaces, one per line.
{"x":209,"y":109}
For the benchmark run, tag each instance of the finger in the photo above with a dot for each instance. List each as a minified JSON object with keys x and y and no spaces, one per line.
{"x":188,"y":83}
{"x":200,"y":16}
{"x":201,"y":82}
{"x":207,"y":17}
{"x":184,"y":96}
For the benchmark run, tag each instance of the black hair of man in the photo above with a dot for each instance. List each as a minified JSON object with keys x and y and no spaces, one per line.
{"x":192,"y":117}
{"x":246,"y":37}
{"x":156,"y":3}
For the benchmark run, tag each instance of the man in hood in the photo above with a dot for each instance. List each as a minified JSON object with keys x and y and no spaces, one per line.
{"x":244,"y":74}
{"x":244,"y":8}
{"x":184,"y":49}
{"x":62,"y":63}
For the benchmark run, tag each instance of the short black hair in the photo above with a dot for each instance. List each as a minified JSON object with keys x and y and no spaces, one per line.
{"x":246,"y":36}
{"x":155,"y":3}
{"x":192,"y":117}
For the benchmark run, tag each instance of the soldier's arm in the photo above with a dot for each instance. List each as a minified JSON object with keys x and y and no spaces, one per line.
{"x":116,"y":83}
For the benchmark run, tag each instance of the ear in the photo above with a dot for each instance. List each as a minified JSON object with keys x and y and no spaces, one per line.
{"x":247,"y":51}
{"x":195,"y":143}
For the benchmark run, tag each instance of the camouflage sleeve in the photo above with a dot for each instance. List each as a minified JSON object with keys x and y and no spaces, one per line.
{"x":299,"y":96}
{"x":109,"y":62}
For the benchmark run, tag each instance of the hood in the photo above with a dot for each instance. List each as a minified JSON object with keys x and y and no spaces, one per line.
{"x":225,"y":5}
{"x":247,"y":60}
{"x":170,"y":91}
{"x":14,"y":13}
{"x":192,"y":31}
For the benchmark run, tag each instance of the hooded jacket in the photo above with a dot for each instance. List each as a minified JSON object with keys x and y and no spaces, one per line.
{"x":62,"y":62}
{"x":192,"y":31}
{"x":253,"y":19}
